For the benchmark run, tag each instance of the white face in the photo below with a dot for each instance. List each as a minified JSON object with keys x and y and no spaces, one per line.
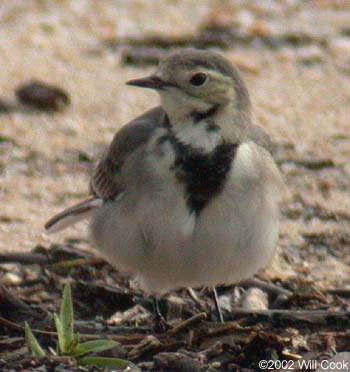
{"x":195,"y":90}
{"x":179,"y":104}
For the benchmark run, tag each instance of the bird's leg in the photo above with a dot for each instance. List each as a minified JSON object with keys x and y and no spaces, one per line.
{"x":217,"y":306}
{"x":160,"y":323}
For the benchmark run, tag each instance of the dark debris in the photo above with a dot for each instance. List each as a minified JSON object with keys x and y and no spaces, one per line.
{"x":307,"y":320}
{"x":42,"y":96}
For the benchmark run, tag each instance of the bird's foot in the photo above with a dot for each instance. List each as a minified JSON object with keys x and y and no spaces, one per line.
{"x":217,"y":306}
{"x":160,"y":325}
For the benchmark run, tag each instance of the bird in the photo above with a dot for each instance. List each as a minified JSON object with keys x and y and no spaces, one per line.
{"x":187,"y":194}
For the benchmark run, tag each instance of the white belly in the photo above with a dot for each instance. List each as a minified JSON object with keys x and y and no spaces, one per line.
{"x":233,"y":239}
{"x":154,"y":236}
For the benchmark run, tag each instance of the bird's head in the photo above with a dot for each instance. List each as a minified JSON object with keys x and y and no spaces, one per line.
{"x":193,"y":82}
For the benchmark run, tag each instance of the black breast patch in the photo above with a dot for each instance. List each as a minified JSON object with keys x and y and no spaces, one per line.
{"x":203,"y":174}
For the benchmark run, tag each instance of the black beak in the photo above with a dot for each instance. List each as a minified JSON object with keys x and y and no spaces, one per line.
{"x":152,"y":82}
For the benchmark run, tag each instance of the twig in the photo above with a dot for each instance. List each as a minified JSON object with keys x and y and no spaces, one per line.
{"x":10,"y":324}
{"x":212,"y":351}
{"x":227,"y":327}
{"x":141,"y":56}
{"x":76,"y":262}
{"x":291,"y":355}
{"x":217,"y":35}
{"x":24,"y":258}
{"x":136,"y":337}
{"x":91,"y":327}
{"x":147,"y":344}
{"x":267,"y":287}
{"x":196,"y":299}
{"x":187,"y":323}
{"x":309,"y":316}
{"x":310,"y":163}
{"x":343,"y":292}
{"x":18,"y":310}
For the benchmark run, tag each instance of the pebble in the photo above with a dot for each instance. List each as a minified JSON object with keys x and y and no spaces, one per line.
{"x":10,"y":279}
{"x":11,"y":267}
{"x":225,"y":302}
{"x":42,"y":96}
{"x":136,"y":313}
{"x":255,"y":299}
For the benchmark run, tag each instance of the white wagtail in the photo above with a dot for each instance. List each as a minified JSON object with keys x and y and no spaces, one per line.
{"x":187,"y":194}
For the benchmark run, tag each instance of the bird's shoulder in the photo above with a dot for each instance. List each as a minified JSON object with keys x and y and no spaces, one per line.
{"x":254,"y":166}
{"x":260,"y":137}
{"x":257,"y":154}
{"x":104,"y":180}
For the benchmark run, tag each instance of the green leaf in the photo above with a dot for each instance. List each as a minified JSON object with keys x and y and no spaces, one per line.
{"x":60,"y":335}
{"x":95,"y":346}
{"x":67,"y":320}
{"x":105,"y":363}
{"x":32,"y":342}
{"x":72,"y":346}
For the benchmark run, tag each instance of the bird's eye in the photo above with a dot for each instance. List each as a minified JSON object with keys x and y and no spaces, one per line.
{"x":198,"y":79}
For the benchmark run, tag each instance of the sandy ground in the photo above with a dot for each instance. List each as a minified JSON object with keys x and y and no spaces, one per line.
{"x":304,"y":105}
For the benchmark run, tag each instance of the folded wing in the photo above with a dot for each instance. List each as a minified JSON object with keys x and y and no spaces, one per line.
{"x":105,"y":181}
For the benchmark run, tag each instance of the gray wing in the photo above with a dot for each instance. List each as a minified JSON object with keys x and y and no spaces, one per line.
{"x":260,"y":137}
{"x":104,"y":182}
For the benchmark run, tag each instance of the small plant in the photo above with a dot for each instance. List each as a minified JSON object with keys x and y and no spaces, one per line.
{"x":68,"y":343}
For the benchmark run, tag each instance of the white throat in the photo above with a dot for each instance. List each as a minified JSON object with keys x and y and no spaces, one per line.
{"x":210,"y":131}
{"x":197,"y":135}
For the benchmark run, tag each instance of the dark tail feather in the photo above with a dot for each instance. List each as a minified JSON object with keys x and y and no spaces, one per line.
{"x":72,"y":215}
